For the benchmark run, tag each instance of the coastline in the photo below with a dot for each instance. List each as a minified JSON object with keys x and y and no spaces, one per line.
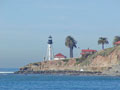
{"x":102,"y":63}
{"x":60,"y":72}
{"x":73,"y":73}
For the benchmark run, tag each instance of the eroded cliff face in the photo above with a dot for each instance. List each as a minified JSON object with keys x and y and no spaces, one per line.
{"x":107,"y":61}
{"x":100,"y":61}
{"x":53,"y":65}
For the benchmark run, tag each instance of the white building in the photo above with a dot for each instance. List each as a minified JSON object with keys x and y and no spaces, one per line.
{"x":59,"y":56}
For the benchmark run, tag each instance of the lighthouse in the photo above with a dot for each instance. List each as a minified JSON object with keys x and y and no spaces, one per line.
{"x":49,"y":55}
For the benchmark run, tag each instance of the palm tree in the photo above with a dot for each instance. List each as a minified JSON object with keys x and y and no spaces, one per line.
{"x":116,"y":39}
{"x":103,"y":41}
{"x":70,"y":42}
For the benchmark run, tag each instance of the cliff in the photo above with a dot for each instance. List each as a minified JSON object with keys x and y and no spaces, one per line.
{"x":102,"y":61}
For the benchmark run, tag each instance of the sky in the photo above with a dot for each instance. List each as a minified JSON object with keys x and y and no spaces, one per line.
{"x":26,"y":24}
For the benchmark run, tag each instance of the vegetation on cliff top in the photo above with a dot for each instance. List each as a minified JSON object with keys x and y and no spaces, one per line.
{"x":104,"y":52}
{"x":87,"y":60}
{"x":116,"y":39}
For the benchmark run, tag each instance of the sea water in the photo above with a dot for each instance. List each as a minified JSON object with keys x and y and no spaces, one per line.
{"x":57,"y":82}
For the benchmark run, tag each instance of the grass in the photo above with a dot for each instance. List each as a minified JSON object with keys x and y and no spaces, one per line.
{"x":80,"y":60}
{"x":105,"y":52}
{"x":65,"y":60}
{"x":59,"y":63}
{"x":87,"y":60}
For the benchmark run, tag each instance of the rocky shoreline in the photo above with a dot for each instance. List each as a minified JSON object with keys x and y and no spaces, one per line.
{"x":52,"y":72}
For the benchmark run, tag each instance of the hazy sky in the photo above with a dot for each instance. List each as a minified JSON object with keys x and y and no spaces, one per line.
{"x":26,"y":24}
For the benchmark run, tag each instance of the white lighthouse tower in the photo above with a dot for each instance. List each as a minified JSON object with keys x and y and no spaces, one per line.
{"x":50,"y":55}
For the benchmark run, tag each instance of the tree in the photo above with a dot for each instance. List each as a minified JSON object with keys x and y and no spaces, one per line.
{"x":103,"y":41}
{"x":116,"y":39}
{"x":70,"y":42}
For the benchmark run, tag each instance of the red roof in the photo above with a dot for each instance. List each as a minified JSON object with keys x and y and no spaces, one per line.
{"x":117,"y":42}
{"x":59,"y":55}
{"x":89,"y":50}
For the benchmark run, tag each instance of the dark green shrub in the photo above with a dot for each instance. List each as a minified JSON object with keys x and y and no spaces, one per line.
{"x":65,"y":60}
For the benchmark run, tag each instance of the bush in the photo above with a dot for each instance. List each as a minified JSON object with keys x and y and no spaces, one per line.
{"x":36,"y":64}
{"x":65,"y":60}
{"x":80,"y":60}
{"x":59,"y":63}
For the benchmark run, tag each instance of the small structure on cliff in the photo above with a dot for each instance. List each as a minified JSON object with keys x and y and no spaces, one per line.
{"x":87,"y":52}
{"x":117,"y":43}
{"x":49,"y":55}
{"x":59,"y":56}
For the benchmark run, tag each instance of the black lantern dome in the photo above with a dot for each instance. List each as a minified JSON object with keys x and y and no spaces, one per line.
{"x":50,"y":40}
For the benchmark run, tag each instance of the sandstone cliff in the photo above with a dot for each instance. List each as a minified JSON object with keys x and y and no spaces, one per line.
{"x":101,"y":61}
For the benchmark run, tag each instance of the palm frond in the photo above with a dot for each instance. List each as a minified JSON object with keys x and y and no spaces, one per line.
{"x":103,"y":40}
{"x":70,"y":42}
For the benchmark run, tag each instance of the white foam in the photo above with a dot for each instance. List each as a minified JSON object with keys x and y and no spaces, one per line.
{"x":6,"y":72}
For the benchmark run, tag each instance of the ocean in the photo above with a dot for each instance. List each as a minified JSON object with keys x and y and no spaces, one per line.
{"x":57,"y":82}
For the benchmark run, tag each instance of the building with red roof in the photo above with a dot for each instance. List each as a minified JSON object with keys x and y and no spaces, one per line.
{"x":88,"y":51}
{"x":59,"y":56}
{"x":117,"y":43}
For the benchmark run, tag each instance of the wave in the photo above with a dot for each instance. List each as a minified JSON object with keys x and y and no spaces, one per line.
{"x":6,"y":72}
